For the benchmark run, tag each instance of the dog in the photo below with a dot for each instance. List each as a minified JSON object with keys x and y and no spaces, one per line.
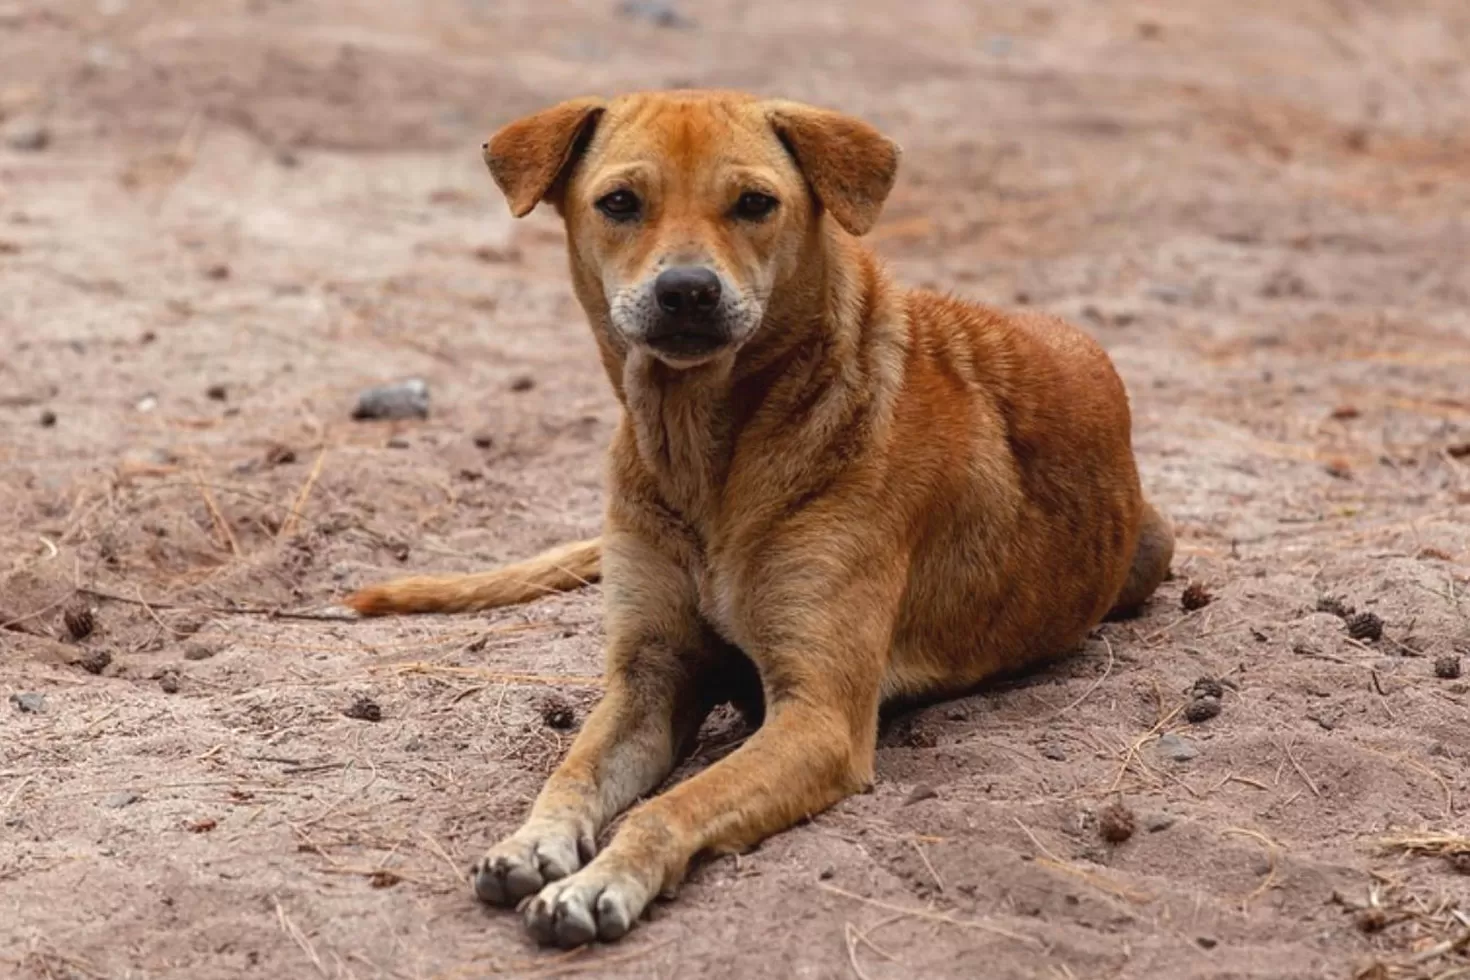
{"x":826,"y":492}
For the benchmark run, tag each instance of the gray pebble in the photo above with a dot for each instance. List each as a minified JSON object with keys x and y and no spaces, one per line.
{"x":919,"y":793}
{"x":31,"y":704}
{"x":198,"y":651}
{"x":27,"y":133}
{"x":404,"y":400}
{"x":1053,"y":751}
{"x":1156,"y":822}
{"x":656,"y":12}
{"x":1175,"y":747}
{"x":119,"y":800}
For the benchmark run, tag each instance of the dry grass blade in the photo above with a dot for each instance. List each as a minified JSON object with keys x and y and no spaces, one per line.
{"x":1271,"y":850}
{"x":1107,"y":671}
{"x":928,"y":915}
{"x":596,"y":962}
{"x":497,"y":676}
{"x":299,"y":938}
{"x":293,"y":515}
{"x":1437,"y":845}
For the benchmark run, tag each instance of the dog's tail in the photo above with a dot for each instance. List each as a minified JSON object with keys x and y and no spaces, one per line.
{"x":561,"y":569}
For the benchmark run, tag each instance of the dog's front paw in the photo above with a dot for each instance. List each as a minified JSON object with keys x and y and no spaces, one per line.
{"x":595,"y":903}
{"x":528,"y":860}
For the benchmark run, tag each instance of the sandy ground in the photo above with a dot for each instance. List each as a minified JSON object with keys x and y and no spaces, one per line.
{"x":245,"y":212}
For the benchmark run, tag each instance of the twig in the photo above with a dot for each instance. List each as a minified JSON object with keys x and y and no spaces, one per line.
{"x":928,"y":915}
{"x":496,"y":676}
{"x":288,"y":526}
{"x":1271,"y":847}
{"x":221,"y":526}
{"x":298,"y":938}
{"x":933,"y":872}
{"x":1094,"y":686}
{"x":271,"y":613}
{"x":1296,"y":764}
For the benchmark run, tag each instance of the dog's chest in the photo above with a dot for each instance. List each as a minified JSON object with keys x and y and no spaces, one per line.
{"x":717,"y":602}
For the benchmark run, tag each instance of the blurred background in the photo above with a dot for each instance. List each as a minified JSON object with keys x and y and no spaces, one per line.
{"x":220,"y":222}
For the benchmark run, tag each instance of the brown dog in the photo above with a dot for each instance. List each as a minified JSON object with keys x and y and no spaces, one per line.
{"x":864,"y":492}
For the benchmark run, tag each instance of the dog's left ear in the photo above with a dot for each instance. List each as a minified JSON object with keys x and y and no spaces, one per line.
{"x":849,"y":164}
{"x":528,"y":157}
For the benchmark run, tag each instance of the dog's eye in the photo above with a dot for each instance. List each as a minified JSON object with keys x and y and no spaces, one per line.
{"x":753,"y":205}
{"x":620,"y":205}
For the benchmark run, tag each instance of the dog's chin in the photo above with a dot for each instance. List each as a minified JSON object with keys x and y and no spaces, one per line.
{"x":684,"y":351}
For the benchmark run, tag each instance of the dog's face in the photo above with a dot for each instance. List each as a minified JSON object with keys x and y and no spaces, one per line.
{"x":686,"y":210}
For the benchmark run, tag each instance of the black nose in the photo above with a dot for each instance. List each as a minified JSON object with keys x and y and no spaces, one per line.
{"x":688,"y":290}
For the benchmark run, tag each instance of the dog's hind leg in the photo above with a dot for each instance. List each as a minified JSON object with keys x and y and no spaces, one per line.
{"x":1150,"y":563}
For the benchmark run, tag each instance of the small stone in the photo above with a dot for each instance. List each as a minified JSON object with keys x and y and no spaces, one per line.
{"x":1177,"y":748}
{"x":1196,"y":596}
{"x":1447,"y":667}
{"x":656,"y":12}
{"x":1157,"y":822}
{"x":827,"y":873}
{"x":523,"y":383}
{"x":364,"y":709}
{"x":279,"y":455}
{"x":921,"y":792}
{"x":1365,"y":626}
{"x":1116,"y":822}
{"x":1201,"y":709}
{"x":484,"y":440}
{"x":94,"y":661}
{"x":216,"y":392}
{"x":27,"y":703}
{"x":398,"y":442}
{"x":198,"y":651}
{"x":956,"y":713}
{"x":201,"y":826}
{"x":1339,"y":468}
{"x":218,"y":272}
{"x":47,"y":419}
{"x":383,"y":879}
{"x":79,"y":622}
{"x":1207,"y":687}
{"x":557,"y":712}
{"x":27,"y":134}
{"x":1053,"y":751}
{"x":405,"y":400}
{"x":117,"y":801}
{"x":1205,"y":942}
{"x":168,"y":681}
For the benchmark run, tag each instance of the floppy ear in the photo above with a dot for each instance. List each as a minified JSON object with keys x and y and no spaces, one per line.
{"x":527,"y":157}
{"x":849,"y":164}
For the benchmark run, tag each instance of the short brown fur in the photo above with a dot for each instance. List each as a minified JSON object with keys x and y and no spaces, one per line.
{"x":879,"y":493}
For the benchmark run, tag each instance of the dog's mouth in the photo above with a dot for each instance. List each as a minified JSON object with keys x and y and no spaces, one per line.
{"x":687,"y":344}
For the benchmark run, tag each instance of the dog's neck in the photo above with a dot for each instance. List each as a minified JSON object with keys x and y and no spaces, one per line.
{"x":688,"y":424}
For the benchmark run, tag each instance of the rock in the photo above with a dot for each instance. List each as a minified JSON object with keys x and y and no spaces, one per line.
{"x":1201,"y":709}
{"x":557,"y":712}
{"x":79,"y":621}
{"x":27,"y":134}
{"x":168,"y":681}
{"x":198,"y":651}
{"x":1116,"y":822}
{"x":47,"y":419}
{"x":1053,"y":751}
{"x":1365,"y":626}
{"x":1447,"y":667}
{"x":121,"y":799}
{"x":28,"y":703}
{"x":364,"y":709}
{"x":216,"y":393}
{"x":921,"y":792}
{"x":1156,"y":822}
{"x":657,"y":12}
{"x":1207,"y":687}
{"x":94,"y":661}
{"x":1177,"y":748}
{"x":404,"y":400}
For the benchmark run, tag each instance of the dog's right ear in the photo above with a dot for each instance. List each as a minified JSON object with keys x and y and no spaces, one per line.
{"x":528,"y":157}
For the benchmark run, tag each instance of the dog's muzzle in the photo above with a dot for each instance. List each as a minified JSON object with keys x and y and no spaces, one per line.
{"x":691,"y":320}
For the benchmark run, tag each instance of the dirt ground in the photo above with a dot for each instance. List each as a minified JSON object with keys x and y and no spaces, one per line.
{"x":219,"y":222}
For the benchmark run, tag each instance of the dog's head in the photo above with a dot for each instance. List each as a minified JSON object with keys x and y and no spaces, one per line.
{"x":685,"y":211}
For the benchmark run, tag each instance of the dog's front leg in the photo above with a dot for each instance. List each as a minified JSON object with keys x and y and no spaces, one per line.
{"x":658,"y":654}
{"x":822,"y":685}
